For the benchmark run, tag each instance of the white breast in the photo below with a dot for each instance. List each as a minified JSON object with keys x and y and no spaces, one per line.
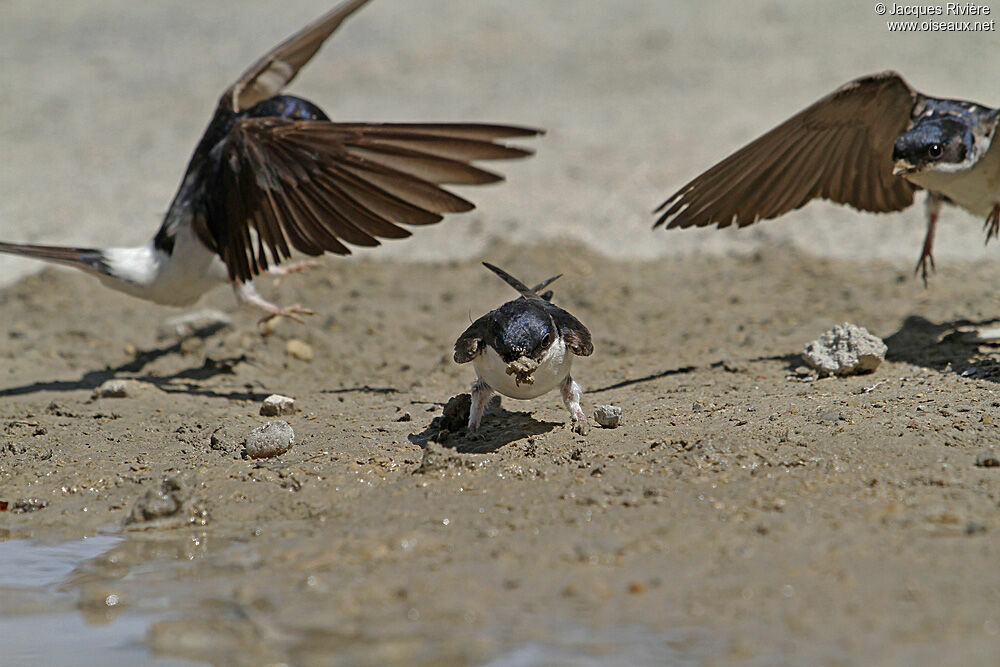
{"x":976,"y":190}
{"x":178,"y":279}
{"x":553,"y":369}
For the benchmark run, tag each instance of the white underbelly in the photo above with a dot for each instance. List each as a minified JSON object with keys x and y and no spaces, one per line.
{"x":552,"y":370}
{"x":194,"y":270}
{"x":976,"y":190}
{"x":178,"y":279}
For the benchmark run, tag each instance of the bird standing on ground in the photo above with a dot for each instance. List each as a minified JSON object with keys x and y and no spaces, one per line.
{"x":524,"y":349}
{"x":273,"y":174}
{"x":871,"y":144}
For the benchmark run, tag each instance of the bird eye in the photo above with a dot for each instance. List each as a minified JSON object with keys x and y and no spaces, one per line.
{"x":546,"y":340}
{"x":935,"y":151}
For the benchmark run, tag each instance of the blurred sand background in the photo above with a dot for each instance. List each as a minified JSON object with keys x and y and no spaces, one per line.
{"x":103,"y":101}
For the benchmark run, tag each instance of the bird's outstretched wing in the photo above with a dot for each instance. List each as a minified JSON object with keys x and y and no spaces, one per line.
{"x":524,"y":290}
{"x":472,"y":340}
{"x":840,"y":148}
{"x":269,"y":75}
{"x":573,"y":332}
{"x":316,"y":185}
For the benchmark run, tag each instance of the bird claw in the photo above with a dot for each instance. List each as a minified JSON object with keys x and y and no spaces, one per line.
{"x":291,"y":312}
{"x":581,"y":426}
{"x":282,"y":271}
{"x":992,"y":224}
{"x":925,"y":265}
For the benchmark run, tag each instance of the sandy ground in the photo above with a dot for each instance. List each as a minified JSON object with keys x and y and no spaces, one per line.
{"x":745,"y":511}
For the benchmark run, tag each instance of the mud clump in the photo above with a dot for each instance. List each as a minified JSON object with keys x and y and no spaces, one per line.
{"x":165,"y":505}
{"x":521,"y":369}
{"x":846,"y":349}
{"x":454,"y":418}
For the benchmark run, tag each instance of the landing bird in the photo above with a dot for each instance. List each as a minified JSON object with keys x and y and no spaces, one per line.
{"x":273,"y":173}
{"x":871,"y":144}
{"x":524,"y":349}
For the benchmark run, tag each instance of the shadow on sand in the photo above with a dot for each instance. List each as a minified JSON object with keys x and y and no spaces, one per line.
{"x":168,"y":383}
{"x":499,"y":428}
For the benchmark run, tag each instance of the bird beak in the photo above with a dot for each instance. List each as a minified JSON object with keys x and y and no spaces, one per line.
{"x":902,"y":167}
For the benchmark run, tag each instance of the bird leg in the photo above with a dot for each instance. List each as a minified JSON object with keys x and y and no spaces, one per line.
{"x":926,"y":260}
{"x":247,"y":295}
{"x":480,"y":397}
{"x":572,"y":392}
{"x":992,"y":224}
{"x":282,"y":271}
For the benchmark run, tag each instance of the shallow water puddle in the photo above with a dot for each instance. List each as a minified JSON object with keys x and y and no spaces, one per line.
{"x":29,"y":564}
{"x":633,"y":645}
{"x":40,"y":622}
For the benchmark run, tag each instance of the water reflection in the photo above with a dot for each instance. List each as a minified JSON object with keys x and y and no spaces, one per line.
{"x":59,"y":603}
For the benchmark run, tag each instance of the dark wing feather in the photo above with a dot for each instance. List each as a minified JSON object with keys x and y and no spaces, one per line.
{"x":312,"y":186}
{"x":269,"y":75}
{"x":576,"y":335}
{"x":548,"y":294}
{"x":471,"y":342}
{"x":840,"y":149}
{"x":524,"y":290}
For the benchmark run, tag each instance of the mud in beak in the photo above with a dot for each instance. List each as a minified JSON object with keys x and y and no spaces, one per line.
{"x":902,"y":167}
{"x":522,"y":369}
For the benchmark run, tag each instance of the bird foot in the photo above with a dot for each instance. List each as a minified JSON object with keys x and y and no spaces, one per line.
{"x":248,"y":296}
{"x":282,"y":271}
{"x":291,"y":312}
{"x":925,"y":265}
{"x":992,"y":224}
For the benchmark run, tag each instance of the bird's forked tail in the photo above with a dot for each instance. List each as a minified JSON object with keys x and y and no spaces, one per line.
{"x":90,"y":260}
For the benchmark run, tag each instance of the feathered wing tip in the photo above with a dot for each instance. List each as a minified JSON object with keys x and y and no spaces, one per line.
{"x":839,"y":148}
{"x":524,"y":290}
{"x":548,"y":294}
{"x":276,"y":68}
{"x":90,"y":260}
{"x":317,"y":186}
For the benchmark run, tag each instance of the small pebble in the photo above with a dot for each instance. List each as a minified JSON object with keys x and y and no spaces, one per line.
{"x":199,"y":321}
{"x":608,"y":416}
{"x":271,"y":439}
{"x":299,"y":349}
{"x":112,"y":389}
{"x":24,"y":505}
{"x":276,"y":404}
{"x":989,"y":458}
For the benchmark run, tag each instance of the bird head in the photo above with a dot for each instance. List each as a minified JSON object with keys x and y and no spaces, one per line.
{"x":522,"y":329}
{"x":939,"y":143}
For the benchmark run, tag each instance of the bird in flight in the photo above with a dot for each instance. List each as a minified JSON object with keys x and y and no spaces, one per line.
{"x":872,"y":143}
{"x":272,"y":174}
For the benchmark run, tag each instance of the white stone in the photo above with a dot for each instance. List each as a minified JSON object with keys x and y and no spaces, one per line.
{"x":608,"y":416}
{"x":271,"y":439}
{"x":276,"y":404}
{"x":846,"y":349}
{"x":187,"y":324}
{"x":113,"y":388}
